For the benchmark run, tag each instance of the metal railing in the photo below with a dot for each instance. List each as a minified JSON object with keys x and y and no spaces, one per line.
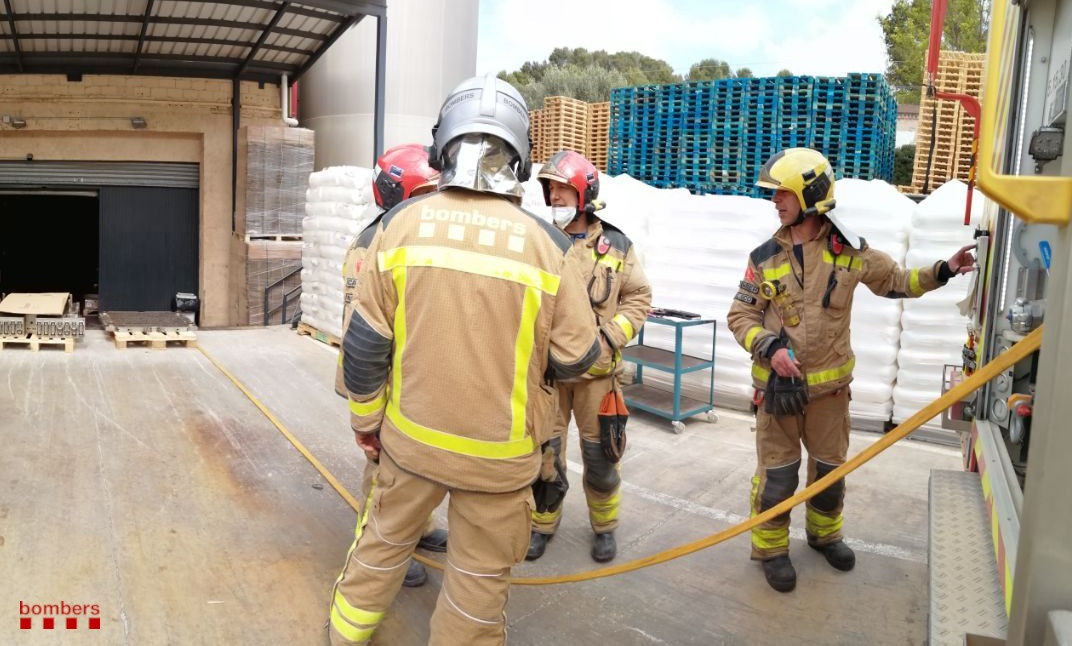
{"x":287,"y":297}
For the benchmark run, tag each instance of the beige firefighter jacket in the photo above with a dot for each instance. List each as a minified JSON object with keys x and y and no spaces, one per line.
{"x":355,"y":256}
{"x":466,"y":307}
{"x":820,"y":341}
{"x":618,"y":290}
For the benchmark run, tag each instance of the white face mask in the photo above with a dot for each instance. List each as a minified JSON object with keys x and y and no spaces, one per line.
{"x":563,"y":215}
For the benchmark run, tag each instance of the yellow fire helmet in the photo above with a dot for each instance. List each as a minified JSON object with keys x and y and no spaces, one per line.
{"x":808,"y":174}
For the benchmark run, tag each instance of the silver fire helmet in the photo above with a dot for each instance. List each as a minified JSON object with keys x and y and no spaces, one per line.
{"x":485,"y":105}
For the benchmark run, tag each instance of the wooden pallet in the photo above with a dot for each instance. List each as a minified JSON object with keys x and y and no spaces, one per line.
{"x":319,"y":335}
{"x":157,"y":339}
{"x":35,"y":342}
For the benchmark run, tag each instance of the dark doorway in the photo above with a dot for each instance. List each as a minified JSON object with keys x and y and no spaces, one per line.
{"x":149,"y":246}
{"x":49,"y":243}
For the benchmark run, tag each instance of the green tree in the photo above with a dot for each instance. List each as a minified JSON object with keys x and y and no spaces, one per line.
{"x":906,"y":30}
{"x":903,"y":159}
{"x":782,"y":73}
{"x":709,"y":69}
{"x":592,"y":84}
{"x":745,"y":73}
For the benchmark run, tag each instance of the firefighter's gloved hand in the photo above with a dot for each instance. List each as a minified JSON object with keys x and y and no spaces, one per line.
{"x":785,"y":395}
{"x":551,"y":484}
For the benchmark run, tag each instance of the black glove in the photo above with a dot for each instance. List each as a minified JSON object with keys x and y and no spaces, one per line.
{"x":550,"y":492}
{"x":784,"y":395}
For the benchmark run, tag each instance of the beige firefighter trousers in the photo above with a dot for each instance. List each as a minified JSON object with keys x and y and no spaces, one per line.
{"x":602,"y":479}
{"x":488,"y":535}
{"x":823,"y":429}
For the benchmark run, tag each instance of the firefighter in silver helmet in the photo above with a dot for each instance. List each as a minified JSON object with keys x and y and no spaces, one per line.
{"x":792,"y":314}
{"x":466,"y":305}
{"x":620,"y":297}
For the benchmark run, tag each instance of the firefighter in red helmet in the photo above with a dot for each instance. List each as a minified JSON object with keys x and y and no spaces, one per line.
{"x":401,"y":173}
{"x":620,"y":295}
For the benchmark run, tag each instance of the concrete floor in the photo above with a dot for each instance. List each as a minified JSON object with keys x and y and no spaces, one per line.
{"x":145,"y":482}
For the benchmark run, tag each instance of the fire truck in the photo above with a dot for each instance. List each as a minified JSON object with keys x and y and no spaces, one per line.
{"x":1001,"y":530}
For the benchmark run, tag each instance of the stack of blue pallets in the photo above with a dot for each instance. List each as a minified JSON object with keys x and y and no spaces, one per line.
{"x":713,"y":136}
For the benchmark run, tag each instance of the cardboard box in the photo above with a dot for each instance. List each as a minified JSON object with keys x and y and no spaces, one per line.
{"x":41,"y":304}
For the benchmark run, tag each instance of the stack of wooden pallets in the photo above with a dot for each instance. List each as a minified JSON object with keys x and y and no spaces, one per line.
{"x":953,"y":129}
{"x":598,"y":133}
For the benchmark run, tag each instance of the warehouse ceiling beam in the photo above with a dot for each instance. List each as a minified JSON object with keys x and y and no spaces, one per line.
{"x":141,"y":36}
{"x":271,"y":6}
{"x":264,"y":36}
{"x":160,"y":20}
{"x":162,"y":39}
{"x":350,"y":7}
{"x":14,"y":32}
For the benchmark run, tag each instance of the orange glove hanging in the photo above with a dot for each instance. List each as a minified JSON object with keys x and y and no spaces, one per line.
{"x":613,"y":416}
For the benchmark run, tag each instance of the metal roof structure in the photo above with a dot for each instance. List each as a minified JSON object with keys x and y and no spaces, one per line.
{"x":256,"y":40}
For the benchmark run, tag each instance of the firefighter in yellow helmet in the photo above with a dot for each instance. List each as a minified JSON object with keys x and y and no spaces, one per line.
{"x":620,"y":296}
{"x":402,"y":172}
{"x":466,"y":306}
{"x":792,"y":314}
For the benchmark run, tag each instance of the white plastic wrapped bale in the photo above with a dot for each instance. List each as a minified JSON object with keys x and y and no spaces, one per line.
{"x":932,"y":329}
{"x":882,"y":215}
{"x":695,"y":257}
{"x":338,"y":206}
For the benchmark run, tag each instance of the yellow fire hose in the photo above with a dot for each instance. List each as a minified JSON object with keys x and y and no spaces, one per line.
{"x":1000,"y":363}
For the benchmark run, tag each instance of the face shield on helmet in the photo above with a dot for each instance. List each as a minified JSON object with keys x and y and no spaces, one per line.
{"x":572,"y":169}
{"x":403,"y":172}
{"x":490,"y":111}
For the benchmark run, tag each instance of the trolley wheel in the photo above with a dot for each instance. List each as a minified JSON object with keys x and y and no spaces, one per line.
{"x":712,"y":416}
{"x":678,"y":426}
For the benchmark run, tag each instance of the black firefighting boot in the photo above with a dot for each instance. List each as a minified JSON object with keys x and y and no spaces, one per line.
{"x":434,"y":541}
{"x":416,"y":575}
{"x":537,"y":545}
{"x":837,"y":554}
{"x":780,"y":573}
{"x":604,"y":548}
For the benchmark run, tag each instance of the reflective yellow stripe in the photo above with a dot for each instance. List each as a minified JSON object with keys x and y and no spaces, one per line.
{"x":369,"y":407}
{"x":770,"y":539}
{"x":537,"y":281}
{"x":546,"y":517}
{"x":851,"y":262}
{"x":821,"y":525}
{"x":356,"y":615}
{"x":751,"y":336}
{"x":624,"y":323}
{"x":470,"y":262}
{"x":456,"y":443}
{"x":600,"y":372}
{"x":913,"y":282}
{"x":399,"y":276}
{"x":609,"y":261}
{"x":814,"y":378}
{"x":775,"y":273}
{"x":348,"y":630}
{"x":519,"y":394}
{"x":606,"y":511}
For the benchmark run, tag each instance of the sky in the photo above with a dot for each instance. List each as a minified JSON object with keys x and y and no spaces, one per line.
{"x":807,"y":37}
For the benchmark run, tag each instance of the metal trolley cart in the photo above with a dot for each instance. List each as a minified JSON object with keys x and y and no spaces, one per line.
{"x":671,"y":405}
